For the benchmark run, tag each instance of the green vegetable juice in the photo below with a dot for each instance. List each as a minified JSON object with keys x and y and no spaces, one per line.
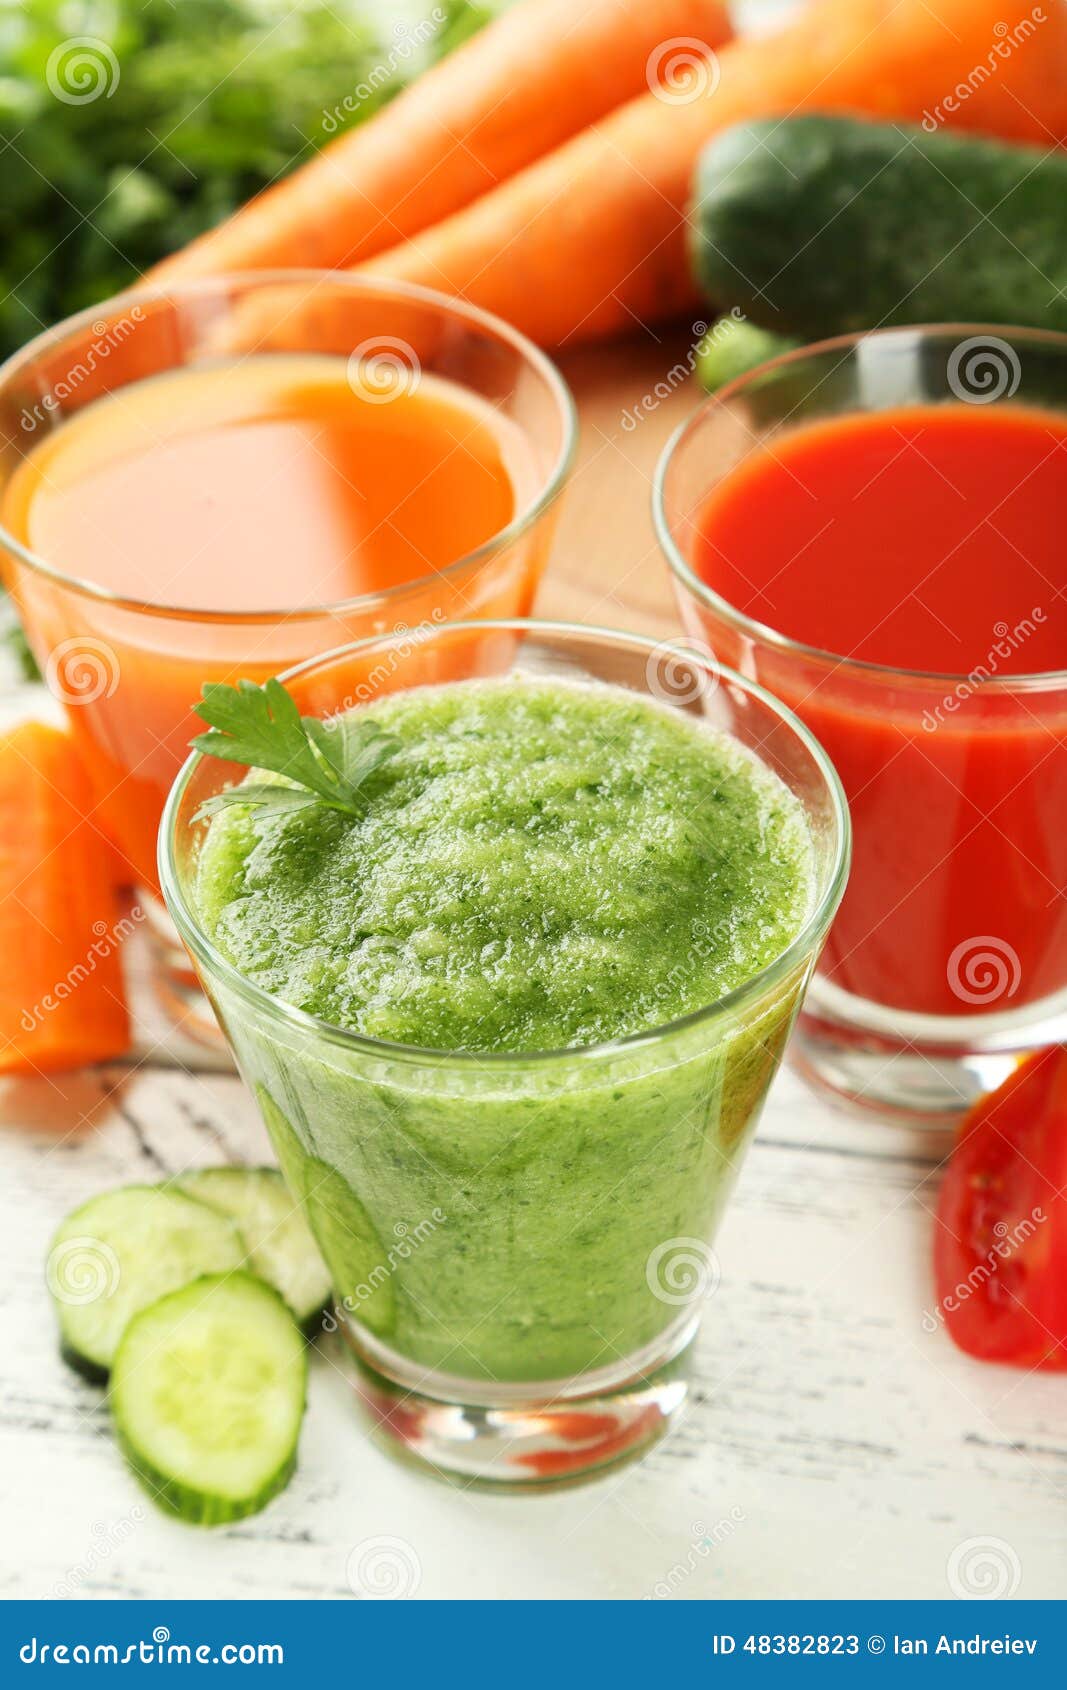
{"x":541,"y":870}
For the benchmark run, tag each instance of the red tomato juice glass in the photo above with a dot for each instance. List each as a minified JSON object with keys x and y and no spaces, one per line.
{"x":221,"y":479}
{"x":875,"y":528}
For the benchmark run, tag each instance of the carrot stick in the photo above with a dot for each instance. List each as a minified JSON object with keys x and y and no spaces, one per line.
{"x":524,"y":84}
{"x":591,"y":239}
{"x":61,"y":996}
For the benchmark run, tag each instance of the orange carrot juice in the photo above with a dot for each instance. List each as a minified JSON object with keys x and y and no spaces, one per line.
{"x":220,"y":519}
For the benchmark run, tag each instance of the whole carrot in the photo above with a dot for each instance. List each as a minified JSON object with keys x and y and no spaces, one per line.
{"x":527,"y":82}
{"x":591,"y":239}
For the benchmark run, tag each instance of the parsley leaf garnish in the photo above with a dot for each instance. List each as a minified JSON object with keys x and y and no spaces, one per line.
{"x":261,"y":727}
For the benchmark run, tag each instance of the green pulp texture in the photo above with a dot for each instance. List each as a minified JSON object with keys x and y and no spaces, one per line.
{"x":540,"y":866}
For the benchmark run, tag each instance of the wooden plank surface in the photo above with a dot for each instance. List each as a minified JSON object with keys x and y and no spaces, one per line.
{"x":835,"y":1443}
{"x":833,"y":1446}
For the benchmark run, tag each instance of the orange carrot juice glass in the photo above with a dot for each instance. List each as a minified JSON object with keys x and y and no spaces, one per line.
{"x":874,"y":529}
{"x":223,"y":478}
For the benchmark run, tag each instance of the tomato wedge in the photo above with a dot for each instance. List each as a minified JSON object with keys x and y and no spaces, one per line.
{"x":1000,"y":1249}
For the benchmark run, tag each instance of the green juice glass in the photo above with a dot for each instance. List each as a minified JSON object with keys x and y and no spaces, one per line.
{"x":521,"y":1245}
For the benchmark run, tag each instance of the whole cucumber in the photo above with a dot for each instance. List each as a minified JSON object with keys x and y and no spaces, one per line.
{"x":816,"y":226}
{"x":732,"y":347}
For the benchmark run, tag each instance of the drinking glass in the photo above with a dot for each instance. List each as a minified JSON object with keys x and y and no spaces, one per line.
{"x":948,"y":957}
{"x":130,"y":670}
{"x":520,"y":1244}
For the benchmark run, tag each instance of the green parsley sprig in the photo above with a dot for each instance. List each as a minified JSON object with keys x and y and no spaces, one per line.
{"x":261,"y":727}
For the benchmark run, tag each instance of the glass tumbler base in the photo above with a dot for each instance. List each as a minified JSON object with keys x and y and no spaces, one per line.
{"x":523,"y":1437}
{"x":917,"y":1070}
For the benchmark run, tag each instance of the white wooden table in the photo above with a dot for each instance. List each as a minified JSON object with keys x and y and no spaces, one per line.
{"x":834,"y":1445}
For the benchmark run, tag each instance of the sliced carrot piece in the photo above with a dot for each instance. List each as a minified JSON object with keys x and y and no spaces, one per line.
{"x":61,"y":993}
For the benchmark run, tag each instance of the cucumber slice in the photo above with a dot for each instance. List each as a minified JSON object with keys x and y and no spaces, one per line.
{"x":121,"y":1251}
{"x":280,"y":1247}
{"x":208,"y":1392}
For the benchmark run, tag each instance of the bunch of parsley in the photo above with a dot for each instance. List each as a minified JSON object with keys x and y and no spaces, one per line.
{"x":196,"y":104}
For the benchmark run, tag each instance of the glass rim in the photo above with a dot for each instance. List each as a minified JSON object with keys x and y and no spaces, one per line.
{"x":803,"y":943}
{"x":1046,"y":680}
{"x":246,"y":281}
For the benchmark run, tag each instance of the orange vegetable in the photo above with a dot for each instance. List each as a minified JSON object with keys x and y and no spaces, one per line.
{"x":591,"y":239}
{"x":61,"y":996}
{"x":525,"y":83}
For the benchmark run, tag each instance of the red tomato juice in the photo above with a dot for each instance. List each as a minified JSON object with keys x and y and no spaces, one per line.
{"x":929,"y":539}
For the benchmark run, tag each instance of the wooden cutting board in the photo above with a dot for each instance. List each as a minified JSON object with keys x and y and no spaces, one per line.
{"x":606,"y":566}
